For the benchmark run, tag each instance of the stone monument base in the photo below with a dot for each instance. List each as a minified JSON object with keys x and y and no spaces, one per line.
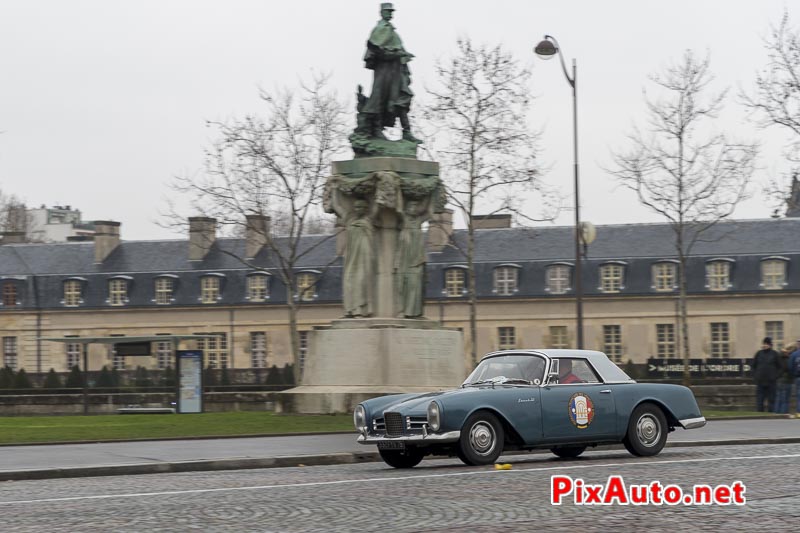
{"x":355,"y":359}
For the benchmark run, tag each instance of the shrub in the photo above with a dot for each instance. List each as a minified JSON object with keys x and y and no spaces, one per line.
{"x":6,"y":377}
{"x":75,"y":378}
{"x":51,"y":380}
{"x":21,"y":381}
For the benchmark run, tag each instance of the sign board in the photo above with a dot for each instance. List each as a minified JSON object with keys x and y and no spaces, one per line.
{"x":709,"y":368}
{"x":189,"y":368}
{"x":132,"y":348}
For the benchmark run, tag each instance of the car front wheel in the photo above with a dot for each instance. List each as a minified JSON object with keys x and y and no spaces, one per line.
{"x":568,"y":452}
{"x":647,"y":431}
{"x":401,"y":458}
{"x":481,"y":440}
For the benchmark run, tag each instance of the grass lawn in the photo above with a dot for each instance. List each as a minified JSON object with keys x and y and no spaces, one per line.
{"x":34,"y":429}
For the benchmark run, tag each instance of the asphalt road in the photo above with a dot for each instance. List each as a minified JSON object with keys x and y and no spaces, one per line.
{"x":147,"y":452}
{"x":439,"y":495}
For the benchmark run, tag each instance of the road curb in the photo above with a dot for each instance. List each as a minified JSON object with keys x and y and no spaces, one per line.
{"x":247,"y":463}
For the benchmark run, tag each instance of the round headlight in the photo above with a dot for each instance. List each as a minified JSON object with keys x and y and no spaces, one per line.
{"x":434,"y":416}
{"x":360,"y":419}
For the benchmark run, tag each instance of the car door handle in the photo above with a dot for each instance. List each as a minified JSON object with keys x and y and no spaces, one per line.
{"x":606,"y":391}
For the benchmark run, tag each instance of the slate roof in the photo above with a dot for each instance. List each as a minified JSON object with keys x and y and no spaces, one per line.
{"x":40,"y":269}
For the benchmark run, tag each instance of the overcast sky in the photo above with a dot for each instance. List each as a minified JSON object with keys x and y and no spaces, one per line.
{"x":102,"y":102}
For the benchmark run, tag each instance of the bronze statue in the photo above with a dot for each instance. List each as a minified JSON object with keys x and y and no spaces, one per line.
{"x":391,"y":93}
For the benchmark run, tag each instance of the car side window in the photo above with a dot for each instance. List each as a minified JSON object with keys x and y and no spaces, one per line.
{"x":575,"y":371}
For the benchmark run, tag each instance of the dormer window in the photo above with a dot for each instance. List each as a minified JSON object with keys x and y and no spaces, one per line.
{"x":10,"y":294}
{"x":257,"y":287}
{"x":664,"y":276}
{"x":506,"y":280}
{"x":164,"y":290}
{"x":306,"y":286}
{"x":209,"y":289}
{"x":773,"y":273}
{"x":557,"y":278}
{"x":612,"y":277}
{"x":118,"y":290}
{"x":73,"y":292}
{"x":718,"y":275}
{"x":454,"y":282}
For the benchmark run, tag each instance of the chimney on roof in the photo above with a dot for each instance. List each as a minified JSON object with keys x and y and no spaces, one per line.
{"x":106,"y":239}
{"x":793,"y":203}
{"x":256,"y":234}
{"x":499,"y":220}
{"x":202,"y":234}
{"x":440,"y":229}
{"x":12,"y":237}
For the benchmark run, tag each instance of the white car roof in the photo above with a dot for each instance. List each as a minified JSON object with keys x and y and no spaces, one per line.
{"x":609,"y":371}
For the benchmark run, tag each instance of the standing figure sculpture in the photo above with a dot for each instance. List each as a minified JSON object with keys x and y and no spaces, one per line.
{"x":391,"y":91}
{"x":359,"y":258}
{"x":410,"y":262}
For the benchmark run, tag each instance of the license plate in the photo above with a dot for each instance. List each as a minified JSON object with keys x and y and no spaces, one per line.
{"x":392,"y":445}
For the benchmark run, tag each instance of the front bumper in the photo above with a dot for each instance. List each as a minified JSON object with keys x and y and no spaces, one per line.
{"x":693,"y":423}
{"x":430,"y":438}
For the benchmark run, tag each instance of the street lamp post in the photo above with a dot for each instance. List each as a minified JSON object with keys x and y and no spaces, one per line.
{"x":546,"y":50}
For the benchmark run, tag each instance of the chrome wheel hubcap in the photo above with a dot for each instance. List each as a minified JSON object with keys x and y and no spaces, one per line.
{"x":648,"y":430}
{"x":482,"y":438}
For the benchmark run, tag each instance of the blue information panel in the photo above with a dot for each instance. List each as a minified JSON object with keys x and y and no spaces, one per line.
{"x":190,"y":381}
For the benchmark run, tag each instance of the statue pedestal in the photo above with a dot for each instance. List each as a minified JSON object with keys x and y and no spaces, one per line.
{"x":356,"y":359}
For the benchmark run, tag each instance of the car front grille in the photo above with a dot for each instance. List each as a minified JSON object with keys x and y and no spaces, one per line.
{"x":394,"y":424}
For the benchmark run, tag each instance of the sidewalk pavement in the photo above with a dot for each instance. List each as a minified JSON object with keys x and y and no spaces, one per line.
{"x":151,"y":457}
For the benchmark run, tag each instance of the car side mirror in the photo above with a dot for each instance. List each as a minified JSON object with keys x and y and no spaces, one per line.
{"x":553,"y":370}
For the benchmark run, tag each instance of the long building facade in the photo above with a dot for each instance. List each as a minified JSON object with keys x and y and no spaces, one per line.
{"x":743,"y":284}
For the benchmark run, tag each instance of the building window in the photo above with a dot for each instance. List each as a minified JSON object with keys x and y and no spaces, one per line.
{"x":117,"y":361}
{"x":72,"y":293}
{"x":611,"y":277}
{"x":117,"y":291}
{"x":612,"y":342}
{"x":664,"y":277}
{"x":558,"y":279}
{"x":215,"y":349}
{"x":720,"y":340}
{"x":718,"y":275}
{"x":774,"y":330}
{"x":558,"y":337}
{"x":665,"y":340}
{"x":505,"y":280}
{"x":454,"y":282}
{"x":74,"y":351}
{"x":257,"y":288}
{"x":773,"y":274}
{"x":165,"y":354}
{"x":303,"y":350}
{"x":306,"y":286}
{"x":506,"y":338}
{"x":10,"y":352}
{"x":164,"y":289}
{"x":10,"y":296}
{"x":258,"y":349}
{"x":209,"y":289}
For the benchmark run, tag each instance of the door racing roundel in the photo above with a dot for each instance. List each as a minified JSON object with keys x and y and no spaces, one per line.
{"x":581,"y":410}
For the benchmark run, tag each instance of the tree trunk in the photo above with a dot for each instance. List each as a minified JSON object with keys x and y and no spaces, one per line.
{"x":683,"y":322}
{"x":294,"y":337}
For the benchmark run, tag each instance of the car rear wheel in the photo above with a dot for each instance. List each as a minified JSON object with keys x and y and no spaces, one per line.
{"x":647,"y":431}
{"x":568,"y":452}
{"x":401,"y":458}
{"x":481,"y":440}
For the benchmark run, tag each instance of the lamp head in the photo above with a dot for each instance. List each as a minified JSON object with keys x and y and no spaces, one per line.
{"x":546,"y":49}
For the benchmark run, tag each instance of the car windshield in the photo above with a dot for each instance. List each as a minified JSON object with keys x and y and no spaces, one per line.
{"x":508,"y":369}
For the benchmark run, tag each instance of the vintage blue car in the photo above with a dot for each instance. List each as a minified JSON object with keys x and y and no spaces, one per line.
{"x":564,"y":400}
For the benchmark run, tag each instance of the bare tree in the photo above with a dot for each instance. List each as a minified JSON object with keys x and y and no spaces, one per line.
{"x":274,"y":165}
{"x":692,"y":178}
{"x":478,"y":114}
{"x":14,"y":215}
{"x":776,"y":102}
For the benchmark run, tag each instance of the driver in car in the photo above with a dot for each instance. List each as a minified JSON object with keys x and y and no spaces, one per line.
{"x":565,"y":375}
